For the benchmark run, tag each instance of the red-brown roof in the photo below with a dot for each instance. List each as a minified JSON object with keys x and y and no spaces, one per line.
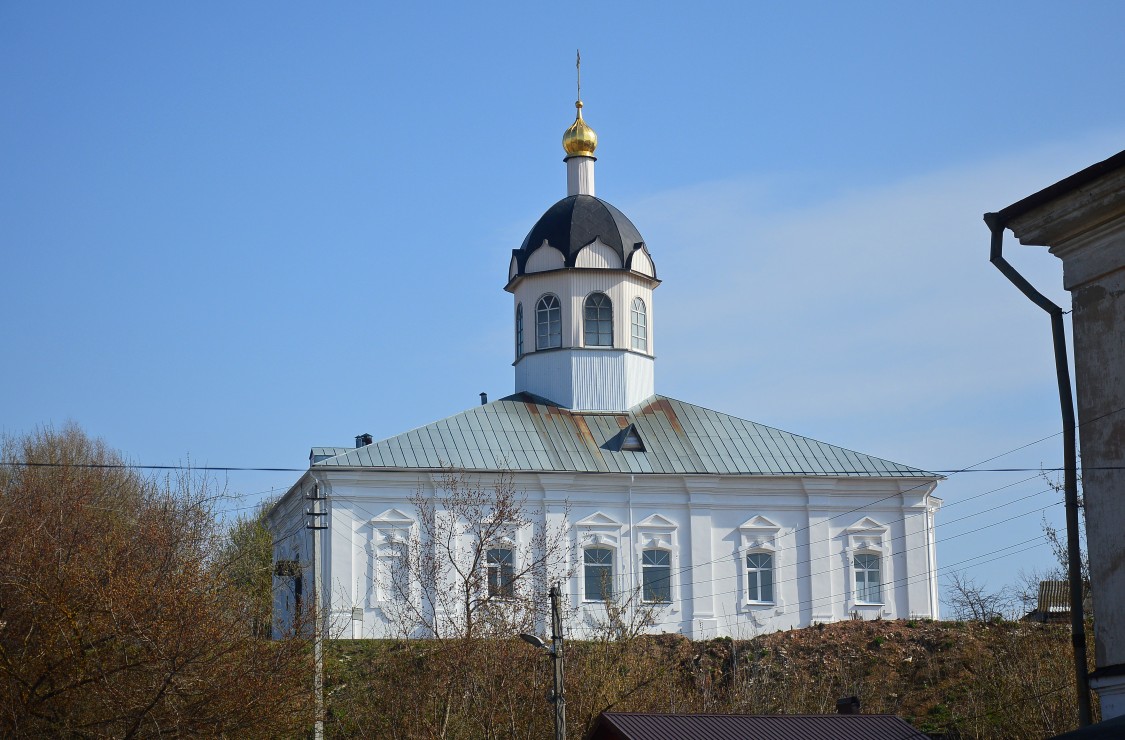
{"x":643,"y":726}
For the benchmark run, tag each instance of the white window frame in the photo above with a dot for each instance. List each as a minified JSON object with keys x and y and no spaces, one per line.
{"x":638,"y":330}
{"x":867,"y":570}
{"x":658,"y":532}
{"x":598,"y":320}
{"x":755,"y":574}
{"x":597,"y":530}
{"x":489,"y":566}
{"x":760,"y":535}
{"x":543,"y":310}
{"x":868,"y":537}
{"x":611,"y":567}
{"x":647,"y":568}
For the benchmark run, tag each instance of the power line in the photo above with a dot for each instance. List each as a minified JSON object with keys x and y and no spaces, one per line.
{"x":890,"y":472}
{"x":347,"y":533}
{"x":138,"y":466}
{"x":893,"y":472}
{"x":860,"y":508}
{"x":904,"y":581}
{"x":738,"y":575}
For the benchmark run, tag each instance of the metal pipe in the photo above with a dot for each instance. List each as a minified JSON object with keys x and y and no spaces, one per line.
{"x":996,"y":225}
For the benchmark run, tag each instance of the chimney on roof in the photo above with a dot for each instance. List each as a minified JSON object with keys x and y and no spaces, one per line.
{"x":847,"y":705}
{"x":362,"y":440}
{"x":483,"y":398}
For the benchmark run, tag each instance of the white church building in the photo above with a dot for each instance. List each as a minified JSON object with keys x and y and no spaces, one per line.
{"x":714,"y":525}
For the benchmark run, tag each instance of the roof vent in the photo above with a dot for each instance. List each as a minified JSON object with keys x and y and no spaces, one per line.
{"x":632,"y":441}
{"x":362,"y":440}
{"x":847,"y":705}
{"x":627,"y":440}
{"x":483,"y":398}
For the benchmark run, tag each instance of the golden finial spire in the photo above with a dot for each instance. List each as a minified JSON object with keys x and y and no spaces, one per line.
{"x":579,"y":140}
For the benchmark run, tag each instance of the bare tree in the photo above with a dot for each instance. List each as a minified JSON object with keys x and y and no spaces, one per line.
{"x":970,"y":600}
{"x":628,"y":613}
{"x":479,"y":563}
{"x":1057,"y":539}
{"x":116,"y":618}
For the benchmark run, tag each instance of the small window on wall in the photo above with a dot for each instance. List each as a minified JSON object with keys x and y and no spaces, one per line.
{"x":598,"y":563}
{"x":640,"y":326}
{"x":599,"y":320}
{"x":519,"y":331}
{"x":868,"y":583}
{"x":501,"y":573}
{"x":548,"y":323}
{"x":759,"y":577}
{"x":656,"y":575}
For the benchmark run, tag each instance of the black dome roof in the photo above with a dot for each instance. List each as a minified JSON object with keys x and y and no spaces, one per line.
{"x":574,"y":222}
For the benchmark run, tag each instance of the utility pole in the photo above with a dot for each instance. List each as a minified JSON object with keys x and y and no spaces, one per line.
{"x":555,"y":650}
{"x":315,"y":523}
{"x":557,"y":659}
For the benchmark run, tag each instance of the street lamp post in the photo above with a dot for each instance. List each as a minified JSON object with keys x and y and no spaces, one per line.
{"x":555,"y":650}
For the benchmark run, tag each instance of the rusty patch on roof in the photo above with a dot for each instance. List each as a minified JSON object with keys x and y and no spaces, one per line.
{"x":670,"y":414}
{"x":533,"y":434}
{"x":586,"y":435}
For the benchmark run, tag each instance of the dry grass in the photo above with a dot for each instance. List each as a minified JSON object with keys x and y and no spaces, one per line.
{"x":972,"y":680}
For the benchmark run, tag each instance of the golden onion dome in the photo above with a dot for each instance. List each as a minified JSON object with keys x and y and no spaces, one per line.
{"x":579,"y":140}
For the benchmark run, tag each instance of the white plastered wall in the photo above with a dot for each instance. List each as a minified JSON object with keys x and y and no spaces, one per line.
{"x":707,"y":523}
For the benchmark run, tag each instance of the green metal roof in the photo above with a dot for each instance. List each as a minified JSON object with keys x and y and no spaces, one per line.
{"x":526,"y":433}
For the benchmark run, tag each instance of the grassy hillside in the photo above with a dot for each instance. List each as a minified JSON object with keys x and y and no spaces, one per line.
{"x":996,"y":680}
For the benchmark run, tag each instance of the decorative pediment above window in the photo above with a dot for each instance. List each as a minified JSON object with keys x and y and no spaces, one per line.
{"x":656,"y":521}
{"x":865,"y":524}
{"x":599,"y":519}
{"x":759,"y":533}
{"x":599,"y":529}
{"x":504,"y":534}
{"x":391,"y":526}
{"x":392,"y":516}
{"x":866,"y":534}
{"x":656,"y":531}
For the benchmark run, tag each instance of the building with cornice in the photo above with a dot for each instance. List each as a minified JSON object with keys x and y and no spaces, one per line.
{"x":707,"y":523}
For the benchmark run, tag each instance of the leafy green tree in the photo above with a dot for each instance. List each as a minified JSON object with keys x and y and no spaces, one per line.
{"x":246,"y":560}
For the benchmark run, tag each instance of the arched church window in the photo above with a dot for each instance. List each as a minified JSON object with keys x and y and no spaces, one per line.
{"x":548,"y":323}
{"x":519,"y":331}
{"x":599,"y":320}
{"x":640,"y":326}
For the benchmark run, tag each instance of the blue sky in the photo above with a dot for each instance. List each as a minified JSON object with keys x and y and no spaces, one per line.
{"x":230,"y":232}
